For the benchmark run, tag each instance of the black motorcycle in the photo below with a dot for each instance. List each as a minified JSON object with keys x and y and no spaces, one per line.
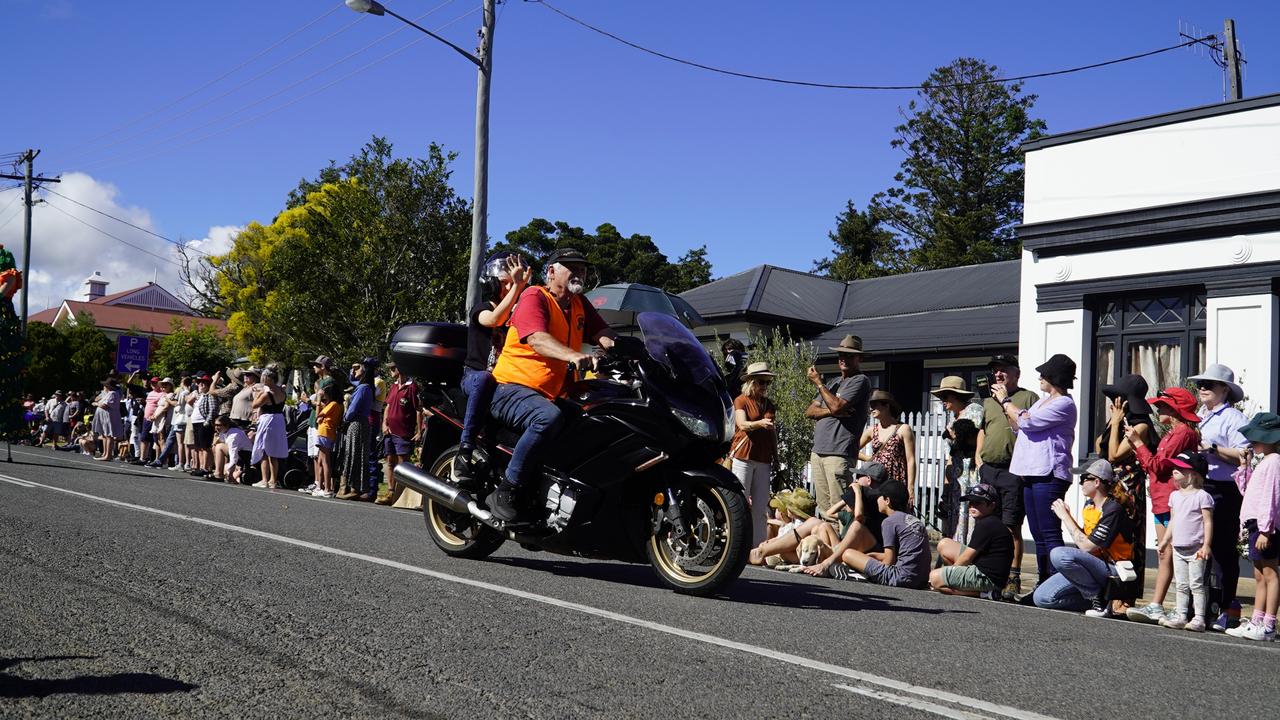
{"x":632,"y":475}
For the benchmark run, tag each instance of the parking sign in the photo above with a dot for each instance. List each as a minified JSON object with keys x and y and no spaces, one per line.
{"x":132,"y":354}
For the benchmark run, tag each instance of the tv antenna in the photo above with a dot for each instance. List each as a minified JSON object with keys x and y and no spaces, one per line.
{"x":1224,"y":51}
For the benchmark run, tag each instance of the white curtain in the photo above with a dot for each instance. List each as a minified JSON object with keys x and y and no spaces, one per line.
{"x":1159,"y":362}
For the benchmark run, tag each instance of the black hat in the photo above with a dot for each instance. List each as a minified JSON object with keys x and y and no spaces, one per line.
{"x":1191,"y":460}
{"x":1004,"y":359}
{"x":873,"y":470}
{"x":1059,"y":370}
{"x":1132,"y":388}
{"x":983,"y":492}
{"x":567,"y":255}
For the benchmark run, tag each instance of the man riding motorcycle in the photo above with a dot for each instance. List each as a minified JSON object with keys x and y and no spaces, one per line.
{"x":547,"y":330}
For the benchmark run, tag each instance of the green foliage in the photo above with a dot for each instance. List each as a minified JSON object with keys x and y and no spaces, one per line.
{"x":863,"y":249}
{"x":617,"y":259}
{"x":364,"y":248}
{"x":960,"y":186}
{"x":792,"y":393}
{"x":89,"y":354}
{"x":190,"y":347}
{"x":49,"y":364}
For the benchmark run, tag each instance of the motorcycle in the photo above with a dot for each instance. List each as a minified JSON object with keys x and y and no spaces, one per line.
{"x":631,"y":476}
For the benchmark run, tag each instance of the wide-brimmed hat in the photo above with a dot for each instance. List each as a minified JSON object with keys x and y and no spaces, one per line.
{"x":1224,"y":375}
{"x":256,"y":372}
{"x":1193,"y":460}
{"x":1134,"y":389}
{"x":886,"y":397}
{"x":953,"y":384}
{"x":757,"y":369}
{"x":1097,"y":467}
{"x":798,"y":502}
{"x":1263,"y":428}
{"x":1059,"y":370}
{"x":166,"y":381}
{"x":1179,"y":400}
{"x":235,"y":374}
{"x":849,"y":345}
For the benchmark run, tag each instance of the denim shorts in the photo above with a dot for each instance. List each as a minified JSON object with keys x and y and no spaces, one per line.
{"x":324,"y":442}
{"x":396,"y":445}
{"x":1272,"y":551}
{"x":1161,"y":519}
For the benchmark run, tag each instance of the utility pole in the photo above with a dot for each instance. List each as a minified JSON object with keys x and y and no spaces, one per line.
{"x":29,"y":157}
{"x":1231,"y":56}
{"x":480,"y":206}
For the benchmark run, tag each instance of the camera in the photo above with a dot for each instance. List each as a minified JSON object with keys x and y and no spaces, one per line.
{"x":982,"y":385}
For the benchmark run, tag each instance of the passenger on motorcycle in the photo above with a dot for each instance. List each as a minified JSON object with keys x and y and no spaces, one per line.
{"x":548,"y":328}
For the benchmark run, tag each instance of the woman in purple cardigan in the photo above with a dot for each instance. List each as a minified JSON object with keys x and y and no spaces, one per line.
{"x":1042,"y":453}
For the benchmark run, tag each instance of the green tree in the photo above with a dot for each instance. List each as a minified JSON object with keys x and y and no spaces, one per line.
{"x":792,"y":393}
{"x":617,"y":258}
{"x":362,"y":249}
{"x":91,"y":353}
{"x":188,"y":347}
{"x":863,"y":249}
{"x":959,"y":189}
{"x":49,"y":360}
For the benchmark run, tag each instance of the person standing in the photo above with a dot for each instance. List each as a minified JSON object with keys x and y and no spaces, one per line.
{"x":401,"y":428}
{"x":1127,"y":408}
{"x":241,"y":414}
{"x":107,"y":423}
{"x":12,"y":351}
{"x":322,"y":366}
{"x":840,"y":409}
{"x":353,"y":456}
{"x":270,"y":442}
{"x":755,"y":444}
{"x":962,"y":444}
{"x":1042,"y":455}
{"x":1224,"y":448}
{"x":735,"y":362}
{"x":893,"y":442}
{"x":996,"y":440}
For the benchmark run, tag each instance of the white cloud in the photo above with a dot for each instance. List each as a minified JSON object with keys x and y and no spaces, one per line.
{"x":65,"y":252}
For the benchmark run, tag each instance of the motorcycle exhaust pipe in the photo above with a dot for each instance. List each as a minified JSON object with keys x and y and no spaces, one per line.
{"x":445,"y":493}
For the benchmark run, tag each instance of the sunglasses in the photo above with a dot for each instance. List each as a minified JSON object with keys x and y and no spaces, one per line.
{"x":764,"y":383}
{"x":1205,"y":385}
{"x":1089,"y":478}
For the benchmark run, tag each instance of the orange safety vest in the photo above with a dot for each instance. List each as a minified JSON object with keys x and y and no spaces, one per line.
{"x":521,"y":364}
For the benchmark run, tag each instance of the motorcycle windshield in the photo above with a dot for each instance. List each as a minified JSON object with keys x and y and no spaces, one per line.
{"x":696,"y":385}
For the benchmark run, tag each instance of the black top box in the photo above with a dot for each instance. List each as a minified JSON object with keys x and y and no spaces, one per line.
{"x":431,"y":352}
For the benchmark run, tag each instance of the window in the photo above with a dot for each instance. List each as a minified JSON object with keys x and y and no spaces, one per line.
{"x":1159,"y":335}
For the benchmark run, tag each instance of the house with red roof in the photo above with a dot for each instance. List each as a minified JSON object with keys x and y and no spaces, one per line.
{"x":147,"y":310}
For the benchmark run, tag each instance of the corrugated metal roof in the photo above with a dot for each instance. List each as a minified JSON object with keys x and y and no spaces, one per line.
{"x":960,"y":287}
{"x":953,"y":329}
{"x":802,"y":296}
{"x":726,"y":296}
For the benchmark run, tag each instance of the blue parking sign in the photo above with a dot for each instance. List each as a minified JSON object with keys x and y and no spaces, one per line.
{"x":132,"y":354}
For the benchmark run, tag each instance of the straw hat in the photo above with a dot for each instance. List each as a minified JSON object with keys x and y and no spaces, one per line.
{"x":757,"y":369}
{"x":953,"y":384}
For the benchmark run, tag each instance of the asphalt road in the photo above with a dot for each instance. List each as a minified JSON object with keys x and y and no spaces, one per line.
{"x":140,"y":593}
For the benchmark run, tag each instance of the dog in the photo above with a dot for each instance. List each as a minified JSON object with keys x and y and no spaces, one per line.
{"x":812,"y":550}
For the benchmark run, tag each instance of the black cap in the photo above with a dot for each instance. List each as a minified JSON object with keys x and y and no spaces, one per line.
{"x":567,"y":255}
{"x":1004,"y":359}
{"x":1191,"y":460}
{"x":873,"y":470}
{"x":983,"y":492}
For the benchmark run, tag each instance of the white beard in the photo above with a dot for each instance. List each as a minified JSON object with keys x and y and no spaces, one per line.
{"x":575,"y":286}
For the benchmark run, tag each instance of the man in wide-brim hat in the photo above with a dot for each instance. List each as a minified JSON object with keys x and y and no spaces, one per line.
{"x":840,"y":409}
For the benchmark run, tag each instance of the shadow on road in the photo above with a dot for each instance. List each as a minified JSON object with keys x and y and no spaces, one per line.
{"x":118,"y":683}
{"x":751,"y":591}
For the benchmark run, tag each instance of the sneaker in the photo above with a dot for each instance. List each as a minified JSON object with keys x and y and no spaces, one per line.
{"x":177,"y":468}
{"x":1239,"y":630}
{"x":1012,"y":588}
{"x":1150,"y":613}
{"x":502,"y":502}
{"x":1175,"y":623}
{"x":1196,"y":624}
{"x":310,"y":489}
{"x":1257,"y":632}
{"x":1100,"y":608}
{"x":259,"y":484}
{"x":323,"y":494}
{"x":1222,"y":623}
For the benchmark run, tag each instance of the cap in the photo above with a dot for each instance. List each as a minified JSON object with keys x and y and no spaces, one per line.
{"x":155,"y":379}
{"x":566,"y":255}
{"x":1191,"y":460}
{"x":873,"y":470}
{"x":1004,"y":359}
{"x":984,"y":493}
{"x":371,"y":362}
{"x":1097,"y":467}
{"x":323,"y":361}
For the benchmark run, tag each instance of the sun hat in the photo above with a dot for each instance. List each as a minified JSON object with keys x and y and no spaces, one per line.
{"x":984,"y":493}
{"x":953,"y":384}
{"x":1005,"y":359}
{"x":1223,"y":374}
{"x":778,"y":501}
{"x":1133,"y":388}
{"x":1179,"y":400}
{"x":850,"y":345}
{"x":1097,"y":467}
{"x":1059,"y":370}
{"x":166,"y":381}
{"x":1263,"y":428}
{"x":1191,"y":460}
{"x":885,"y":396}
{"x":758,"y":369}
{"x":801,"y":504}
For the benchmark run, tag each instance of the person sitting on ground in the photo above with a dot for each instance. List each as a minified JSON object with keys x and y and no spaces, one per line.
{"x":233,"y":453}
{"x":548,"y":328}
{"x":859,"y":514}
{"x":905,"y":559}
{"x":792,"y":508}
{"x":1083,"y":572}
{"x":981,"y":566}
{"x":1190,"y":534}
{"x":503,"y":279}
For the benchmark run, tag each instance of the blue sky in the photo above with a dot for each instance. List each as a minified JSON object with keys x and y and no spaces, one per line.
{"x":583,"y":129}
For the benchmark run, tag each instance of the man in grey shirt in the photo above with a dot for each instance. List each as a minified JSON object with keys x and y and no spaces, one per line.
{"x":840,"y":408}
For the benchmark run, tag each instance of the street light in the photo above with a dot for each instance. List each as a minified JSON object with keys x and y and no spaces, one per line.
{"x":484,"y":65}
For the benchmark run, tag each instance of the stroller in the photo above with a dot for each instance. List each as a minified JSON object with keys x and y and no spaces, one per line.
{"x":295,"y":470}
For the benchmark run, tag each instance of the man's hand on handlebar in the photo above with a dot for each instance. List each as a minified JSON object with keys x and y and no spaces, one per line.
{"x":583,"y":362}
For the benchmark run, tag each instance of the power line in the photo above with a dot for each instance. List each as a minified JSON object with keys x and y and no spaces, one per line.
{"x":15,"y":199}
{"x":11,"y":217}
{"x":836,"y":86}
{"x":113,"y":237}
{"x":212,"y":82}
{"x":163,"y":150}
{"x":259,"y":101}
{"x":123,"y":222}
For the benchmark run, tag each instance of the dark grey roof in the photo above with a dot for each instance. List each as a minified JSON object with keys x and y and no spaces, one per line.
{"x":959,"y":287}
{"x":726,"y":296}
{"x":771,"y":291}
{"x":971,"y":328}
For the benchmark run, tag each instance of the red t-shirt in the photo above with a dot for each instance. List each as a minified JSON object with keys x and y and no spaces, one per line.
{"x":530,"y":316}
{"x":1160,"y":484}
{"x":402,"y":409}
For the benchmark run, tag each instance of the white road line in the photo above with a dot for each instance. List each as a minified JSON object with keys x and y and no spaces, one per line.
{"x":915,"y":703}
{"x":767,"y":653}
{"x":1247,"y":644}
{"x":16,"y":481}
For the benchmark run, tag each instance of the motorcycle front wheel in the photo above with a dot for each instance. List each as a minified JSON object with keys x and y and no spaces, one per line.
{"x":457,"y":534}
{"x":713,"y":551}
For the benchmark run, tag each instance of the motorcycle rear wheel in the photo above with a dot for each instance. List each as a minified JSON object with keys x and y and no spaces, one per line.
{"x":457,"y":534}
{"x":714,"y":552}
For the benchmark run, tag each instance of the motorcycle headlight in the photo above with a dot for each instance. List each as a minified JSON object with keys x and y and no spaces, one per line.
{"x":696,"y":425}
{"x":730,"y":424}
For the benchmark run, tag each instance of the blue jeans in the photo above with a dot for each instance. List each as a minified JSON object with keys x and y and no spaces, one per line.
{"x":1038,"y":494}
{"x":527,"y":409}
{"x":479,"y":386}
{"x":170,"y":446}
{"x":1080,"y":578}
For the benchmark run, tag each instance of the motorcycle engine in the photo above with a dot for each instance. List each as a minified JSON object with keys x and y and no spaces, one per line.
{"x":559,"y":504}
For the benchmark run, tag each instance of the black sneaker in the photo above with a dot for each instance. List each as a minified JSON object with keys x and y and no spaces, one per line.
{"x":463,"y":474}
{"x":1099,"y":607}
{"x":502,"y":502}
